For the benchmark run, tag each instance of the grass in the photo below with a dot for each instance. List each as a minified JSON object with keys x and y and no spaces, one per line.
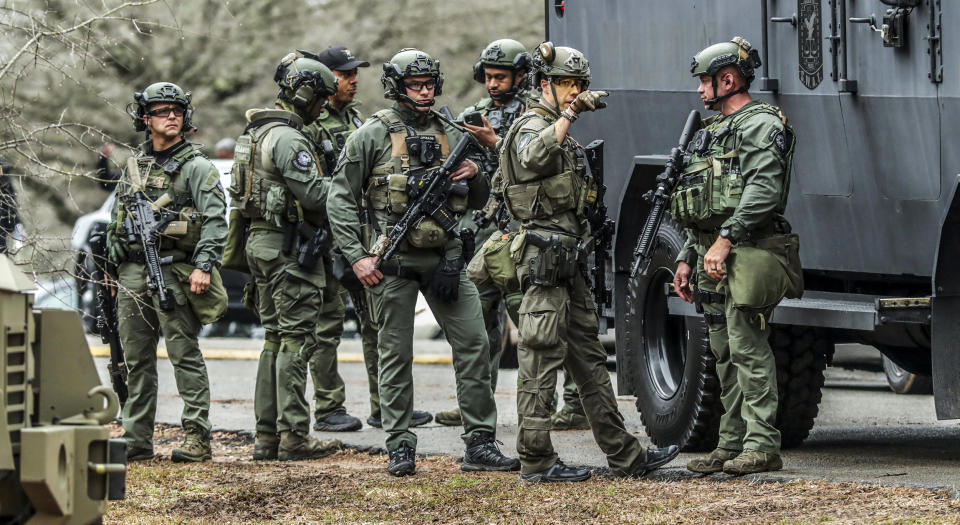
{"x":353,"y":487}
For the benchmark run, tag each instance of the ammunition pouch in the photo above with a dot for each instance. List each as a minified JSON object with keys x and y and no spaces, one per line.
{"x":555,"y":263}
{"x":397,"y":199}
{"x":544,"y":198}
{"x":185,"y":230}
{"x":279,"y":206}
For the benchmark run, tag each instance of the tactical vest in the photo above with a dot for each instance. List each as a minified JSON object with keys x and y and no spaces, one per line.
{"x":501,"y":118}
{"x":257,"y":188}
{"x":569,"y":190}
{"x":388,"y":188}
{"x":338,"y":134}
{"x":184,"y":234}
{"x":712,"y":183}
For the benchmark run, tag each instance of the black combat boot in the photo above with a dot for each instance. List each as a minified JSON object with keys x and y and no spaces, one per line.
{"x":654,"y":459}
{"x":417,"y":418}
{"x":403,"y":461}
{"x":484,"y":454}
{"x":558,"y":472}
{"x":339,"y":421}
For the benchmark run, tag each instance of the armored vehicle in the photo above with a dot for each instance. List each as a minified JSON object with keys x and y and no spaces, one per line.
{"x":57,"y":461}
{"x":873,"y":93}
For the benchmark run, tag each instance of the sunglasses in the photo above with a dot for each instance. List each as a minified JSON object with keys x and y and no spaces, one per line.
{"x":567,"y":83}
{"x":417,"y":86}
{"x":165,"y":112}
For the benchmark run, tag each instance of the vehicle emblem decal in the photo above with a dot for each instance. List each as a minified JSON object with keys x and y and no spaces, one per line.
{"x":810,"y":43}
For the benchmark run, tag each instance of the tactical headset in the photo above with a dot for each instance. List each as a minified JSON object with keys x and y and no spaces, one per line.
{"x":392,"y":80}
{"x":138,"y":109}
{"x":302,"y":89}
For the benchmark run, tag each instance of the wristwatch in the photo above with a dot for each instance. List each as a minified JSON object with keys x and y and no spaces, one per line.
{"x":725,"y":233}
{"x":205,"y":266}
{"x":569,"y":115}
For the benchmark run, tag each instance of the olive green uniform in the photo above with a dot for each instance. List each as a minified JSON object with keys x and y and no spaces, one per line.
{"x":546,"y":187}
{"x":492,"y":299}
{"x":194,"y":185}
{"x":747,"y":165}
{"x":329,"y":134}
{"x":371,"y":173}
{"x":291,"y":298}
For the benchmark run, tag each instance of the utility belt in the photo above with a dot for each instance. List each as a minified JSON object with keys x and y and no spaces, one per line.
{"x":753,"y":237}
{"x":558,"y":260}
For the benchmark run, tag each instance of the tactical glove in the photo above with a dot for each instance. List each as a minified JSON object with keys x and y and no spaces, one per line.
{"x":588,"y":101}
{"x":445,"y":282}
{"x":116,"y":248}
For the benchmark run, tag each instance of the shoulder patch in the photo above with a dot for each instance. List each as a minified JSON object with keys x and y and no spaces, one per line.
{"x":780,"y":140}
{"x":302,"y":160}
{"x":524,"y":141}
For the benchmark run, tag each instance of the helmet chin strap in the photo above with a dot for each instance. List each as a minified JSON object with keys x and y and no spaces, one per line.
{"x":553,"y":91}
{"x":714,"y":102}
{"x":405,"y":98}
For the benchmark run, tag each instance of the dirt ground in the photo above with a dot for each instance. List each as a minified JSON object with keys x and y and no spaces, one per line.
{"x":353,"y":487}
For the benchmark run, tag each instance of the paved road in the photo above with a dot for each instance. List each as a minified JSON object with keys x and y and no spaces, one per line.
{"x":864,"y":432}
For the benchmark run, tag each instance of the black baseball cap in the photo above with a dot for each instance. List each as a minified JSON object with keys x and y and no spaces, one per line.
{"x":340,"y":58}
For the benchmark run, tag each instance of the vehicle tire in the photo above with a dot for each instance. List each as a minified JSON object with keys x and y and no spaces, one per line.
{"x":802,"y":354}
{"x":677,"y":391}
{"x":903,"y":382}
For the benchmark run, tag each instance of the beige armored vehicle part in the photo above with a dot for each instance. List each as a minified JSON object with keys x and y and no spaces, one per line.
{"x":57,"y":461}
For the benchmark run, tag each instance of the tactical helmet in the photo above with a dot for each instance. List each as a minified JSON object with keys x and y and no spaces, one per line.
{"x":409,"y":62}
{"x":160,"y":92}
{"x":303,"y":81}
{"x":737,"y":52}
{"x":505,"y":53}
{"x":555,"y":62}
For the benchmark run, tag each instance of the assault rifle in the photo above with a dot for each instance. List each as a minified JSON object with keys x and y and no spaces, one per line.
{"x":660,"y":198}
{"x":601,"y":227}
{"x":428,"y":193}
{"x":144,"y":222}
{"x":107,"y":320}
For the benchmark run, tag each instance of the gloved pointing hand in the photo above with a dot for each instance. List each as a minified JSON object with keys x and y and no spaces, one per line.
{"x":588,"y":101}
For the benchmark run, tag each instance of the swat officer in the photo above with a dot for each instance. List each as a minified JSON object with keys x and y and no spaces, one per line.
{"x":276,"y":185}
{"x":740,"y":244}
{"x":329,"y":133}
{"x":371,"y":178}
{"x":545,"y":185}
{"x":168,"y":165}
{"x":503,"y":68}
